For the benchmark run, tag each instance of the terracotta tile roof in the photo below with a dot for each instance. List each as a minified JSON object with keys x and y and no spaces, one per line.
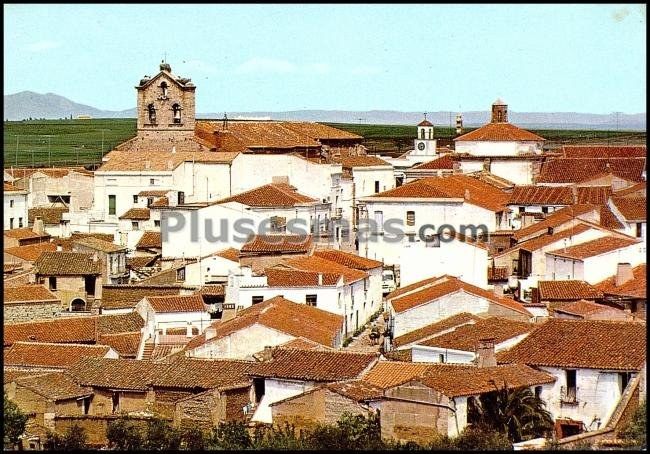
{"x":435,"y":328}
{"x":593,"y":248}
{"x":542,"y":241}
{"x":567,"y":290}
{"x":154,"y":193}
{"x":635,"y":288}
{"x":499,"y":132}
{"x":300,"y":343}
{"x":25,"y":233}
{"x":142,"y":214}
{"x":279,"y":243}
{"x":298,"y":320}
{"x":231,"y":254}
{"x":320,"y":265}
{"x":635,"y":190}
{"x":270,"y":195}
{"x":30,"y":252}
{"x":52,"y":172}
{"x":582,"y":308}
{"x":180,"y":374}
{"x":100,"y":236}
{"x":445,"y":162}
{"x":608,"y":219}
{"x":386,"y":374}
{"x":497,"y":273}
{"x":212,"y":290}
{"x":279,"y":277}
{"x":446,"y":285}
{"x":348,"y":259}
{"x":541,"y":195}
{"x":28,"y":293}
{"x":66,"y":264}
{"x":70,"y":330}
{"x":125,"y":344}
{"x":11,"y":267}
{"x":472,"y":190}
{"x":492,"y":179}
{"x":554,"y":220}
{"x":466,"y":337}
{"x":141,"y":261}
{"x":8,"y":187}
{"x":161,"y":202}
{"x":405,"y":354}
{"x":149,"y":239}
{"x":12,"y":375}
{"x":632,"y":208}
{"x":408,"y":288}
{"x":100,"y":245}
{"x":590,"y":344}
{"x":49,"y":215}
{"x":564,"y":170}
{"x":315,"y":365}
{"x":357,"y":390}
{"x":362,"y":161}
{"x":603,"y":151}
{"x":53,"y":386}
{"x":177,"y":303}
{"x":158,"y":157}
{"x":454,"y":381}
{"x":128,"y":295}
{"x":50,"y":355}
{"x":596,"y":195}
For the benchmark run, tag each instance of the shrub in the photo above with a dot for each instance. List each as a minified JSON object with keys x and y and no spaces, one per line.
{"x":14,"y":421}
{"x":124,"y":434}
{"x":74,"y":439}
{"x":231,"y":435}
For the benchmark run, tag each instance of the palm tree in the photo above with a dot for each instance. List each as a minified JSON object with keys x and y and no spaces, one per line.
{"x":515,"y":412}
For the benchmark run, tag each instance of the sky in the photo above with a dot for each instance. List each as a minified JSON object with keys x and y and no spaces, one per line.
{"x":261,"y":57}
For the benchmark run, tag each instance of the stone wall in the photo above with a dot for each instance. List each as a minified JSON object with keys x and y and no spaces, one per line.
{"x":28,"y":312}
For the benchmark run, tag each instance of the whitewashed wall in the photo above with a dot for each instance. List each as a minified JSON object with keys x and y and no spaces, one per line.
{"x":19,"y":209}
{"x":276,"y":390}
{"x":494,"y":148}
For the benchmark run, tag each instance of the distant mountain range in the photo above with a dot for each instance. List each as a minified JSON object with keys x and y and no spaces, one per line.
{"x":28,"y":104}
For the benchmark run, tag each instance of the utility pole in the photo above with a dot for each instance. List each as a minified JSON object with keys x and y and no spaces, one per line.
{"x":49,"y":151}
{"x":17,"y":139}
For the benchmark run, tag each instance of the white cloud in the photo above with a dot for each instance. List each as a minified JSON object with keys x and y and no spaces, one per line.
{"x":41,"y":46}
{"x":365,"y":70}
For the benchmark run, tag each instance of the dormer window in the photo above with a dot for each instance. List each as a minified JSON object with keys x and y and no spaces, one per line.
{"x":152,"y":113}
{"x":163,"y":88}
{"x":177,"y":113}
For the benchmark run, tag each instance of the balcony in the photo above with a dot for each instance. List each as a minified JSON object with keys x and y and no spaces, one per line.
{"x":569,"y":395}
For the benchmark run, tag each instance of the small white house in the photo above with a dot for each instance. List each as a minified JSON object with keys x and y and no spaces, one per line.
{"x":15,"y":207}
{"x":162,"y":313}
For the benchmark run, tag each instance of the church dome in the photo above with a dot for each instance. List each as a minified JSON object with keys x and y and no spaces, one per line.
{"x":499,"y":102}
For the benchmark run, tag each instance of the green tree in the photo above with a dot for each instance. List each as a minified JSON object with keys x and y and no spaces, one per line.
{"x":635,"y":431}
{"x":14,"y":421}
{"x":74,"y":439}
{"x":161,"y":436}
{"x":124,"y":434}
{"x":193,"y":439}
{"x":231,"y":435}
{"x":518,"y":413}
{"x":480,"y":439}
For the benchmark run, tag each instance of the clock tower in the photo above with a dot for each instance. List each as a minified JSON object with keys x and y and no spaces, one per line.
{"x":425,"y":144}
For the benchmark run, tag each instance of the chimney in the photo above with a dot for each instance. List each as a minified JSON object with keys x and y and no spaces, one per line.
{"x":210,"y":332}
{"x":498,"y":290}
{"x":59,"y":248}
{"x":467,"y":194}
{"x":623,"y":273}
{"x":320,"y":278}
{"x":188,"y":333}
{"x":485,"y":356}
{"x":147,"y":164}
{"x":174,"y":149}
{"x":267,"y":354}
{"x":38,"y":227}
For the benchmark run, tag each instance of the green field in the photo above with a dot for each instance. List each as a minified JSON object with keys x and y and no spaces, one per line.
{"x":83,"y":142}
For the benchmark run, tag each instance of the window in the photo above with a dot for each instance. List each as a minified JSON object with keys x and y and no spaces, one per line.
{"x":11,"y":223}
{"x":135,"y":198}
{"x":116,"y":402}
{"x":152,"y":181}
{"x":180,"y":274}
{"x":163,"y":89}
{"x":149,"y":200}
{"x":135,"y":225}
{"x":545,"y":210}
{"x":422,"y":132}
{"x":156,"y":223}
{"x":639,"y":229}
{"x":379,"y":220}
{"x":257,"y":299}
{"x":441,"y":358}
{"x":410,"y":218}
{"x":522,"y":209}
{"x":376,"y":186}
{"x":20,"y":222}
{"x":11,"y":203}
{"x":77,"y":305}
{"x":111,"y":205}
{"x":151,"y":110}
{"x":85,"y":405}
{"x":177,"y":113}
{"x":181,"y":197}
{"x":52,"y":283}
{"x":311,"y":300}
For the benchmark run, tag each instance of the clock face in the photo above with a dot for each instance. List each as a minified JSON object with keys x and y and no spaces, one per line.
{"x":420,"y":146}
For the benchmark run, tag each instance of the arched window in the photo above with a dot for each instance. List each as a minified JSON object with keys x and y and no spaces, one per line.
{"x":163,"y":87}
{"x":431,"y":133}
{"x":77,"y":305}
{"x":177,"y":113}
{"x":152,"y":113}
{"x":422,"y":133}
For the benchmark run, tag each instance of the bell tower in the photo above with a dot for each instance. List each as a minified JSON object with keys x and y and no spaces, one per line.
{"x":499,"y":111}
{"x":425,"y":144}
{"x":166,"y":104}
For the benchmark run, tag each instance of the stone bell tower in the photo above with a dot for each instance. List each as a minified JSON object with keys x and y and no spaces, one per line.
{"x":166,"y":105}
{"x":499,"y":111}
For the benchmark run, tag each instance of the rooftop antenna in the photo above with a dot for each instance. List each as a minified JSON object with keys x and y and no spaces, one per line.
{"x":425,"y":115}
